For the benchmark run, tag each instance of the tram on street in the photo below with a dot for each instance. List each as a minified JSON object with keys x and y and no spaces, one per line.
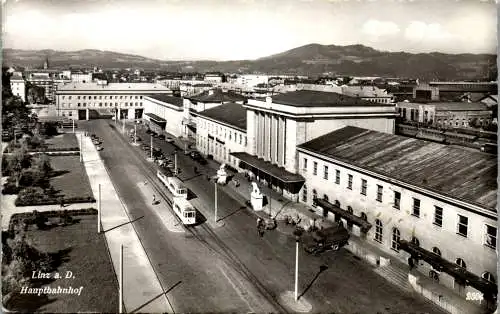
{"x":184,"y":210}
{"x":173,"y":184}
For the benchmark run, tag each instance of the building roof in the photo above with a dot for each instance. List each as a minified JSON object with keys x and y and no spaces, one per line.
{"x":364,"y":91}
{"x":112,"y":86}
{"x":308,"y":98}
{"x":462,"y":174}
{"x":16,"y":78}
{"x":176,"y":101}
{"x":231,"y":113}
{"x":460,"y":106}
{"x":217,"y":96}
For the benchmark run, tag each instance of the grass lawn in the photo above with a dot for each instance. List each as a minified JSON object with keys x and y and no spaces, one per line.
{"x":84,"y":253}
{"x":70,"y":177}
{"x":66,"y":140}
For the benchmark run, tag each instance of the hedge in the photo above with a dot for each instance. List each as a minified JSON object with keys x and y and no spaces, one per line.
{"x":28,"y":217}
{"x":24,"y":199}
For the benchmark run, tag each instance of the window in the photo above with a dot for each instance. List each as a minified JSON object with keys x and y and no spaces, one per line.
{"x":488,"y":276}
{"x":397,"y":200}
{"x":460,"y":262}
{"x":491,"y":236}
{"x":349,"y":181}
{"x":438,"y":216}
{"x":378,"y":230}
{"x":380,"y":189}
{"x":304,"y":193}
{"x":305,"y":164}
{"x":78,"y":97}
{"x":436,"y":251}
{"x":337,"y":203}
{"x":325,"y":172}
{"x":337,"y":176}
{"x":462,"y":225}
{"x":315,"y":196}
{"x":415,"y":241}
{"x":315,"y":168}
{"x":70,"y":114}
{"x":363,"y":186}
{"x":79,"y":104}
{"x":69,"y":97}
{"x":241,"y":139}
{"x":416,"y":207}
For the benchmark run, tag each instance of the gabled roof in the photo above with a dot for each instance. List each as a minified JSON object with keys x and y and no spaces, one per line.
{"x":453,"y":171}
{"x":308,"y":98}
{"x":217,"y":96}
{"x":231,"y":113}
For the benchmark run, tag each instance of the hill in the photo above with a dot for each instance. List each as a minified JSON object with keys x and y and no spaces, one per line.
{"x":313,"y":60}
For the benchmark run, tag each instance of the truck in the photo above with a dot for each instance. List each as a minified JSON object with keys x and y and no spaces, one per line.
{"x":319,"y":241}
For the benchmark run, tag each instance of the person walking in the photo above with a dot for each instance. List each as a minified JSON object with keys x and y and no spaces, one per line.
{"x":154,"y":199}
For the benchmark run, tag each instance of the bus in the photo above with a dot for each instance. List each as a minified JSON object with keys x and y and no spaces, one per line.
{"x":174,"y":185}
{"x":184,"y":210}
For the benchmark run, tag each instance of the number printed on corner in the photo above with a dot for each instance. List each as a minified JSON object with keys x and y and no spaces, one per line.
{"x":474,"y":296}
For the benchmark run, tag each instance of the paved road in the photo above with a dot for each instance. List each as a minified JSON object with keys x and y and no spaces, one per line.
{"x":243,"y":272}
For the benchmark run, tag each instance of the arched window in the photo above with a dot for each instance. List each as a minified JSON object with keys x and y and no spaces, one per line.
{"x":337,"y":203}
{"x":315,"y":196}
{"x":325,"y":197}
{"x":378,"y":230}
{"x":415,"y":241}
{"x":304,"y":193}
{"x":436,"y":251}
{"x":349,"y":210}
{"x":396,"y":236}
{"x":460,"y":262}
{"x":364,"y":217}
{"x":488,"y":276}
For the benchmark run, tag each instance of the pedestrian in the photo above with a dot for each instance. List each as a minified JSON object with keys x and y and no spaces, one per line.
{"x":154,"y":199}
{"x":236,"y":183}
{"x":261,"y":232}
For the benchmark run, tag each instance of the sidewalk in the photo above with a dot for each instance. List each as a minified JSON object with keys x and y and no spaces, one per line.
{"x":388,"y":267}
{"x":141,"y":285}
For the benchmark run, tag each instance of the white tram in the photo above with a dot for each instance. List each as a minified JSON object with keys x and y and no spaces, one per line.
{"x":174,"y":185}
{"x":184,"y":210}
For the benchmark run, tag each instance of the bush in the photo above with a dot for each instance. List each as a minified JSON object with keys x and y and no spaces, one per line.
{"x":10,"y":187}
{"x":31,"y":196}
{"x":40,"y":220}
{"x":33,"y":177}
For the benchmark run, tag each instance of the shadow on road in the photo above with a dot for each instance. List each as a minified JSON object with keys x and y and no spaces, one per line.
{"x":230,"y":214}
{"x":123,"y":224}
{"x":163,"y":293}
{"x":322,"y":268}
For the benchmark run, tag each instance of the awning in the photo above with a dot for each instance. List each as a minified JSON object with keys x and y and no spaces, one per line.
{"x":155,"y":118}
{"x":268,"y":168}
{"x":452,"y":269}
{"x":358,"y":221}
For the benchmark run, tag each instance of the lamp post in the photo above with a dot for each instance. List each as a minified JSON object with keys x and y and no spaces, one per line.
{"x":297,"y":233}
{"x":120,"y":295}
{"x":151,"y":136}
{"x":215,"y":202}
{"x":175,"y":163}
{"x":99,"y":212}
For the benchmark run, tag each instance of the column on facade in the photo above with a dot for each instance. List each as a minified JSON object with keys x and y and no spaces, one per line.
{"x":119,"y":114}
{"x":274,"y":139}
{"x":259,"y":133}
{"x":87,"y":114}
{"x":281,"y":140}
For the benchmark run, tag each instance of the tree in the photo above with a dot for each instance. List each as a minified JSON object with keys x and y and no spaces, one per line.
{"x":50,"y":128}
{"x":35,"y":94}
{"x":17,"y":161}
{"x":42,"y":164}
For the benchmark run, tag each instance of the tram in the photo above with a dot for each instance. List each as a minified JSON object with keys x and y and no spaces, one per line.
{"x":173,"y":184}
{"x":184,"y":210}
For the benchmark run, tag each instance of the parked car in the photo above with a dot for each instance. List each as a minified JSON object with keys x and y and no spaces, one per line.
{"x":161,"y":136}
{"x":320,"y":241}
{"x":195,"y":155}
{"x":99,"y":148}
{"x":169,"y":139}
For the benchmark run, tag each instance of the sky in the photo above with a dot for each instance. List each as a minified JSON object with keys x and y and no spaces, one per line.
{"x":248,"y":29}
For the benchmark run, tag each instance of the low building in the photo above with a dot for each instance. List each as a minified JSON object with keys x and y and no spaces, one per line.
{"x":252,"y":80}
{"x":446,"y":114}
{"x":441,"y":91}
{"x":83,"y":101}
{"x":18,"y":85}
{"x":221,"y":131}
{"x":214,"y":77}
{"x":440,"y":200}
{"x":81,"y":77}
{"x":164,"y":113}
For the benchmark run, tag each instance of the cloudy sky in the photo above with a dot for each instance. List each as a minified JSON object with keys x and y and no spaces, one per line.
{"x":248,"y":29}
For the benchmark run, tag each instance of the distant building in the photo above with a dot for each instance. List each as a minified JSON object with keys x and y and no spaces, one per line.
{"x":82,"y":101}
{"x":214,"y":77}
{"x":252,"y":80}
{"x":81,"y":77}
{"x":369,"y":93}
{"x":441,"y":91}
{"x":446,"y":114}
{"x":18,"y":85}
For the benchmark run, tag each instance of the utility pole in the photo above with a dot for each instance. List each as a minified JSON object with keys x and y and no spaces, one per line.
{"x":120,"y":295}
{"x":215,"y":202}
{"x":175,"y":163}
{"x":73,"y":125}
{"x":296,"y":268}
{"x":151,"y":147}
{"x":99,"y":212}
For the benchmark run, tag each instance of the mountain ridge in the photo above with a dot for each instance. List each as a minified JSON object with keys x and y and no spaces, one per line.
{"x":312,"y":59}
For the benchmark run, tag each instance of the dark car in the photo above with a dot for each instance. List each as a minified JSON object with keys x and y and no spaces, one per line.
{"x":161,"y":136}
{"x":319,"y":241}
{"x":195,"y":155}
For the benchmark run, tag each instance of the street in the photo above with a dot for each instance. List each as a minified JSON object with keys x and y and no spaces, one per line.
{"x":230,"y":268}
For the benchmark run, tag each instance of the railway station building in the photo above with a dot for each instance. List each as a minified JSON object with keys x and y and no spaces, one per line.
{"x":411,"y":198}
{"x":83,"y":101}
{"x":163,"y":112}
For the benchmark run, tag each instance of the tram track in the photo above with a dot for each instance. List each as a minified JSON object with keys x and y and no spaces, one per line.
{"x":220,"y":248}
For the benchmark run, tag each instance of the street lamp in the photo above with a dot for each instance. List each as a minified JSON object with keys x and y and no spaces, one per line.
{"x":215,"y":183}
{"x":297,"y":233}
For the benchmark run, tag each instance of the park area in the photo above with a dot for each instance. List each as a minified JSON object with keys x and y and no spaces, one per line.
{"x":69,"y":178}
{"x":62,"y":142}
{"x":58,"y":242}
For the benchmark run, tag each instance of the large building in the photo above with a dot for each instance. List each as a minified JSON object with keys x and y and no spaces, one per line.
{"x":221,"y":131}
{"x":440,"y":200}
{"x":447,"y":114}
{"x":164,"y":113}
{"x":18,"y":86}
{"x":442,"y":91}
{"x":275,"y":126}
{"x":124,"y":100}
